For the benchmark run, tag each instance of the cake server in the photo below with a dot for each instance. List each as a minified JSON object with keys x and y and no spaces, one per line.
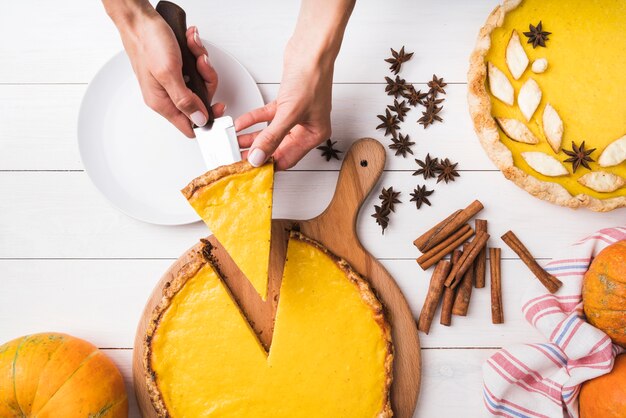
{"x":217,"y":139}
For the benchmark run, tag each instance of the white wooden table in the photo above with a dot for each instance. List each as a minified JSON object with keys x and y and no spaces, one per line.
{"x":70,"y":262}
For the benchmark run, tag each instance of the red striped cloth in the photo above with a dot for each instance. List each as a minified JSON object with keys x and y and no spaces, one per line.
{"x":543,"y":379}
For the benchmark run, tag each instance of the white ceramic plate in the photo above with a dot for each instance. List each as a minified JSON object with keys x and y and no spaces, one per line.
{"x":135,"y":157}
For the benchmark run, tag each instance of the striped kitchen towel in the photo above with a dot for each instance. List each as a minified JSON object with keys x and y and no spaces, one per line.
{"x":543,"y":380}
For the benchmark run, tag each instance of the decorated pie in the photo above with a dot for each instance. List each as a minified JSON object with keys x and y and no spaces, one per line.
{"x":331,"y":353}
{"x":546,"y":94}
{"x":235,"y":201}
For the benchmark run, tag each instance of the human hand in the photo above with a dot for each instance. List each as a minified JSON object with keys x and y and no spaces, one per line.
{"x":156,"y":60}
{"x":299,"y":117}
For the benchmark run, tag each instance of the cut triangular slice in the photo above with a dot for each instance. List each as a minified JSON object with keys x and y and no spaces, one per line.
{"x":235,"y":201}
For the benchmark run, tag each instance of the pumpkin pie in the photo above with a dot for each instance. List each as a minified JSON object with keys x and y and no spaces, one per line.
{"x":546,"y":96}
{"x":235,"y":201}
{"x":331,"y":353}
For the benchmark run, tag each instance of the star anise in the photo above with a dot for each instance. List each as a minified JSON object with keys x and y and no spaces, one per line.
{"x":430,"y":116}
{"x":397,"y":59}
{"x":537,"y":36}
{"x":428,"y":168}
{"x":389,"y":197}
{"x":414,"y":97}
{"x":447,"y":171}
{"x":328,"y":150}
{"x":436,"y":85}
{"x":402,"y":144}
{"x":400,"y":108}
{"x":579,"y":156}
{"x":381,"y":214}
{"x":395,"y":87}
{"x":432,"y":101}
{"x":390,"y":123}
{"x":420,"y":196}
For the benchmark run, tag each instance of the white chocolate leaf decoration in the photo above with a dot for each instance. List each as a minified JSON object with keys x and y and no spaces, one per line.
{"x":528,"y":98}
{"x":539,"y":65}
{"x":614,"y":153}
{"x":516,"y":58}
{"x":552,"y":127}
{"x":602,"y":182}
{"x":545,"y":164}
{"x":517,"y":131}
{"x":499,"y":85}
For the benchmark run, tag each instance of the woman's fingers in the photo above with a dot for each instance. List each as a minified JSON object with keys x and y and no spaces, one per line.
{"x":203,"y":64}
{"x":182,"y":97}
{"x":269,"y":138}
{"x":262,"y":114}
{"x":246,"y":140}
{"x":295,"y":146}
{"x":218,"y":109}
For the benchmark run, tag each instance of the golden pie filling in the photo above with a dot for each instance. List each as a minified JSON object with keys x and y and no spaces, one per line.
{"x":585,"y":82}
{"x":235,"y":202}
{"x":330,"y":356}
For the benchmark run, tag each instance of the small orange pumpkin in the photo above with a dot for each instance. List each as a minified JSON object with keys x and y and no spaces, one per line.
{"x":604,"y":292}
{"x":57,"y":375}
{"x":605,"y":396}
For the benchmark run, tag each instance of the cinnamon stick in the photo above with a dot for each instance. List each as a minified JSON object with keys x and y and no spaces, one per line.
{"x":497,"y":314}
{"x":448,"y":226}
{"x":480,"y":264}
{"x":467,"y":260}
{"x":549,"y":281}
{"x":446,"y":306}
{"x":449,"y":293}
{"x":435,"y":290}
{"x":464,"y":292}
{"x":432,"y":256}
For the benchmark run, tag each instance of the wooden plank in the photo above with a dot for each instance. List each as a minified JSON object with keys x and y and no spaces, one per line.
{"x":50,"y":143}
{"x":74,"y":39}
{"x":102,"y":300}
{"x":61,"y":214}
{"x":450,"y":371}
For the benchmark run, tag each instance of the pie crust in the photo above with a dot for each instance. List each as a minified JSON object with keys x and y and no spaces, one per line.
{"x":196,"y":261}
{"x":487,"y":130}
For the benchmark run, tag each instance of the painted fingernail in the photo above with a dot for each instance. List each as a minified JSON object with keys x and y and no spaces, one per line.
{"x":198,"y":118}
{"x":256,"y":157}
{"x":197,"y":39}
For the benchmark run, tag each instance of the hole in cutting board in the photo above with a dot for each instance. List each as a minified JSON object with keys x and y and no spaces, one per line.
{"x":363,"y":163}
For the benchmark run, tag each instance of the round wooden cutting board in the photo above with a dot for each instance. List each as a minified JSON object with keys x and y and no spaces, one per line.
{"x":335,"y":228}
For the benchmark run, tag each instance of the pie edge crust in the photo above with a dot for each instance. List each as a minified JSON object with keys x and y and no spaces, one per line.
{"x":196,"y":261}
{"x":486,"y":127}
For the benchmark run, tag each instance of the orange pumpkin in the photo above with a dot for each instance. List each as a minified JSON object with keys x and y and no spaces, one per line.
{"x":605,"y":396}
{"x":57,"y":375}
{"x":604,"y":292}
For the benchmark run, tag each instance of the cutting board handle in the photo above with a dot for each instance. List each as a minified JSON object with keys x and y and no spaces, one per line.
{"x":362,"y":166}
{"x":176,"y":19}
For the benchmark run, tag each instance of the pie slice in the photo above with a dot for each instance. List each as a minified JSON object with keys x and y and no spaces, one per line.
{"x":331,"y":354}
{"x":572,"y":93}
{"x":235,"y":201}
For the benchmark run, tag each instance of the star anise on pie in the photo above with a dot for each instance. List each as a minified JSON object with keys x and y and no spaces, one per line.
{"x":436,"y":85}
{"x":395,"y":87}
{"x":414,"y":97}
{"x":400,"y":108}
{"x":381,"y":214}
{"x":420,"y":196}
{"x":390,"y":123}
{"x":389,"y":197}
{"x":537,"y":36}
{"x":447,"y":171}
{"x":428,"y":168}
{"x":397,"y":58}
{"x":402,"y":144}
{"x":328,"y":150}
{"x":430,"y":116}
{"x":579,"y":156}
